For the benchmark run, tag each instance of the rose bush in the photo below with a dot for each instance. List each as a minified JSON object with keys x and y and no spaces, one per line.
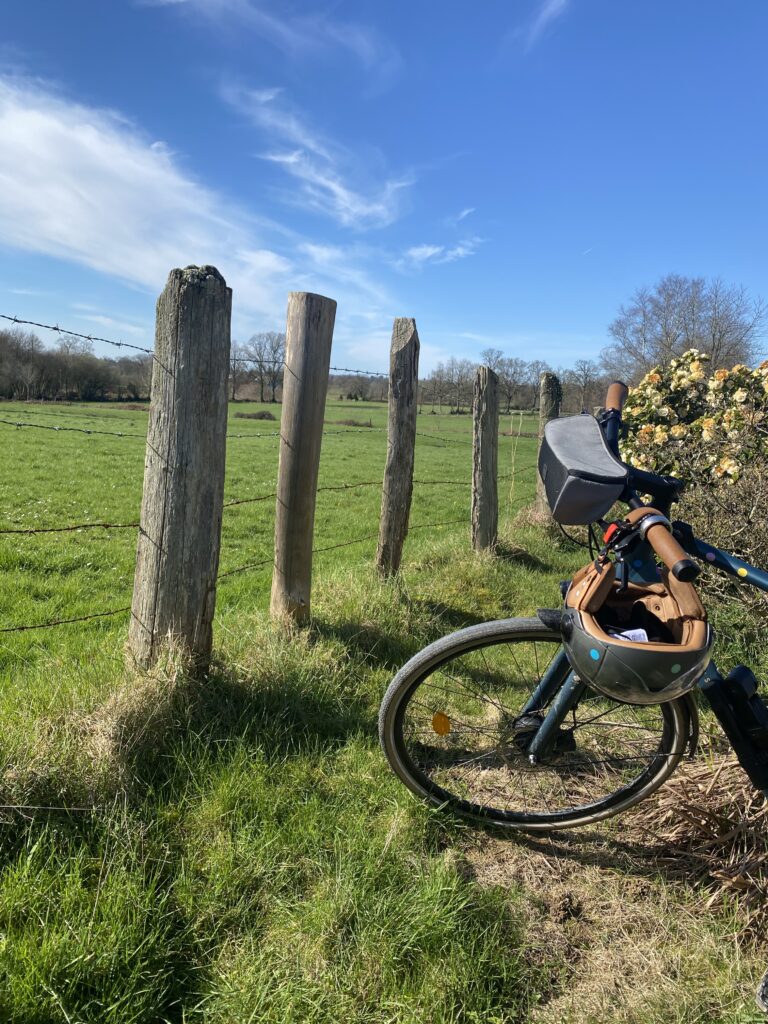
{"x":698,"y":426}
{"x":710,"y":429}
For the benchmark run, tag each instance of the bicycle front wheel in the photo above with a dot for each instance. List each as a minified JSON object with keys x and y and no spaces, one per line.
{"x":456,"y":722}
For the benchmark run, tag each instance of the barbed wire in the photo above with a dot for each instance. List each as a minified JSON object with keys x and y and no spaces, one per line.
{"x":76,"y":334}
{"x":273,"y":363}
{"x":70,"y":529}
{"x":64,"y":622}
{"x":223,"y":575}
{"x":258,"y":435}
{"x":76,"y":430}
{"x":150,"y":352}
{"x":74,"y":527}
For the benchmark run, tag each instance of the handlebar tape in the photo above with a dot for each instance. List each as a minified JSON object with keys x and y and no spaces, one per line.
{"x":671,"y":553}
{"x":617,"y":396}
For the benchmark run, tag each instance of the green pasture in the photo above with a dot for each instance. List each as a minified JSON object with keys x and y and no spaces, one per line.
{"x":235,"y":848}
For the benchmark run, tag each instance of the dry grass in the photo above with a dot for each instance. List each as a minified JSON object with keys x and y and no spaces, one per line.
{"x":634,"y":946}
{"x":708,"y":826}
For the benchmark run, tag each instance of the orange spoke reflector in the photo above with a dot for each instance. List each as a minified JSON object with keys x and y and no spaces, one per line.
{"x":441,"y":723}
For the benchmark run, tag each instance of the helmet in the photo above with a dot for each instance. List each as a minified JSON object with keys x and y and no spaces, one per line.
{"x":643,"y":643}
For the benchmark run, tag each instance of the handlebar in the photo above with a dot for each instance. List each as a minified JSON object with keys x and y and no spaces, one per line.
{"x":658,"y":533}
{"x":617,"y":396}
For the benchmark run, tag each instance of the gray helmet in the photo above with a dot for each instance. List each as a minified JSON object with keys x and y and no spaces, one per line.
{"x":640,"y":644}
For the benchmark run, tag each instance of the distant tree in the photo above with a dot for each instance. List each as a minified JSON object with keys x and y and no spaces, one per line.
{"x":512,"y":373}
{"x":266,"y":350}
{"x":585,"y":374}
{"x":534,"y":370}
{"x":238,"y":368}
{"x":680,"y":313}
{"x":459,"y":376}
{"x":492,"y":358}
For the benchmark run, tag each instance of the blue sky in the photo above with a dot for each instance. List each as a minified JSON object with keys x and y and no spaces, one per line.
{"x":507,"y":173}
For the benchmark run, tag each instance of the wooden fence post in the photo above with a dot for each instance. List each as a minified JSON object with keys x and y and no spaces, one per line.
{"x":308,"y":337}
{"x":177,"y":559}
{"x":485,"y":460}
{"x":401,"y":442}
{"x":550,"y":396}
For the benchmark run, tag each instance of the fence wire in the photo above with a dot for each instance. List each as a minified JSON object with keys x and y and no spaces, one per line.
{"x":257,"y":435}
{"x":75,"y":527}
{"x":260,"y":363}
{"x":221,"y":576}
{"x":76,"y":334}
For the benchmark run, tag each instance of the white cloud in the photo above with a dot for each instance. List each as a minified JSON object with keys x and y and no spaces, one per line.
{"x":419,"y":256}
{"x":316,"y":163}
{"x":459,"y":217}
{"x":298,"y":36}
{"x":85,"y":186}
{"x":547,"y":12}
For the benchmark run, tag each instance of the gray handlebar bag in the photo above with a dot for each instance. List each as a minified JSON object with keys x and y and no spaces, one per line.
{"x":581,"y":475}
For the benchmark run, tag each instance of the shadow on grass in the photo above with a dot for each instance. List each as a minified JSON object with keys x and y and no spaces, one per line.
{"x":151,"y":738}
{"x":560,"y":854}
{"x":372,"y":645}
{"x":519,"y":556}
{"x":155,"y":742}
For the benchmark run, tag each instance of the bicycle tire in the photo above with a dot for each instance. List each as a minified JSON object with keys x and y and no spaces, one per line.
{"x":506,"y":766}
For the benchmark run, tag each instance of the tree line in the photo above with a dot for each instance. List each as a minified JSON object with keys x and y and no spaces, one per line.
{"x":69,"y":371}
{"x":656,"y":325}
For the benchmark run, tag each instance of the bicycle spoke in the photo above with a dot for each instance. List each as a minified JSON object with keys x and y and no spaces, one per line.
{"x":600,"y":757}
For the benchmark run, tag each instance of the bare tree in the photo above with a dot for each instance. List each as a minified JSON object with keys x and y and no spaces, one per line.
{"x":512,"y":373}
{"x":585,"y":374}
{"x":492,"y":358}
{"x":266,"y":350}
{"x":679,"y":313}
{"x":239,"y":371}
{"x":534,"y":370}
{"x":459,"y":377}
{"x":275,"y":363}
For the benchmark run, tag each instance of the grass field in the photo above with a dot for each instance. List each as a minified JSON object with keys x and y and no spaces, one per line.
{"x":242,"y":852}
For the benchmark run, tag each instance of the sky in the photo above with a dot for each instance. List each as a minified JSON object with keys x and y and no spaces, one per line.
{"x":508,"y":173}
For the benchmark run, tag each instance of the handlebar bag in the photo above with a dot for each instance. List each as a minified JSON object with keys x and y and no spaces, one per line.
{"x":581,"y":475}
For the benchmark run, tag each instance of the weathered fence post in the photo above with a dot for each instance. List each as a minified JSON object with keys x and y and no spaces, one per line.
{"x":308,"y":337}
{"x":401,"y":441}
{"x":550,"y":396}
{"x":177,"y":559}
{"x":485,"y":458}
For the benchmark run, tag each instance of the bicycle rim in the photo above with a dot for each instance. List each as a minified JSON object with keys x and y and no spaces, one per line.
{"x":452,"y":730}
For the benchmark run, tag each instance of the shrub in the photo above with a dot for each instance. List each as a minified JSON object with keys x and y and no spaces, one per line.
{"x":711,"y":431}
{"x":696,"y":427}
{"x":263,"y":414}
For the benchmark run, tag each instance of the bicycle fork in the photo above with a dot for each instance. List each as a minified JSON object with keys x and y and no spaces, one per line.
{"x":560,"y":686}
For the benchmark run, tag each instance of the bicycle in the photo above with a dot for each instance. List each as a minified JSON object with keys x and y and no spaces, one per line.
{"x":480,"y":725}
{"x":494,"y":724}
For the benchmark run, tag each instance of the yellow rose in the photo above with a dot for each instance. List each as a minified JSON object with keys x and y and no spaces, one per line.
{"x":708,"y":427}
{"x":740,"y":395}
{"x":727,"y":467}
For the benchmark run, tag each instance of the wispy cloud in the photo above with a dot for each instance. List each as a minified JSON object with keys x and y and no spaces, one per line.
{"x":85,"y":186}
{"x":317,"y":164}
{"x":419,"y":256}
{"x":547,"y":12}
{"x":305,"y":36}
